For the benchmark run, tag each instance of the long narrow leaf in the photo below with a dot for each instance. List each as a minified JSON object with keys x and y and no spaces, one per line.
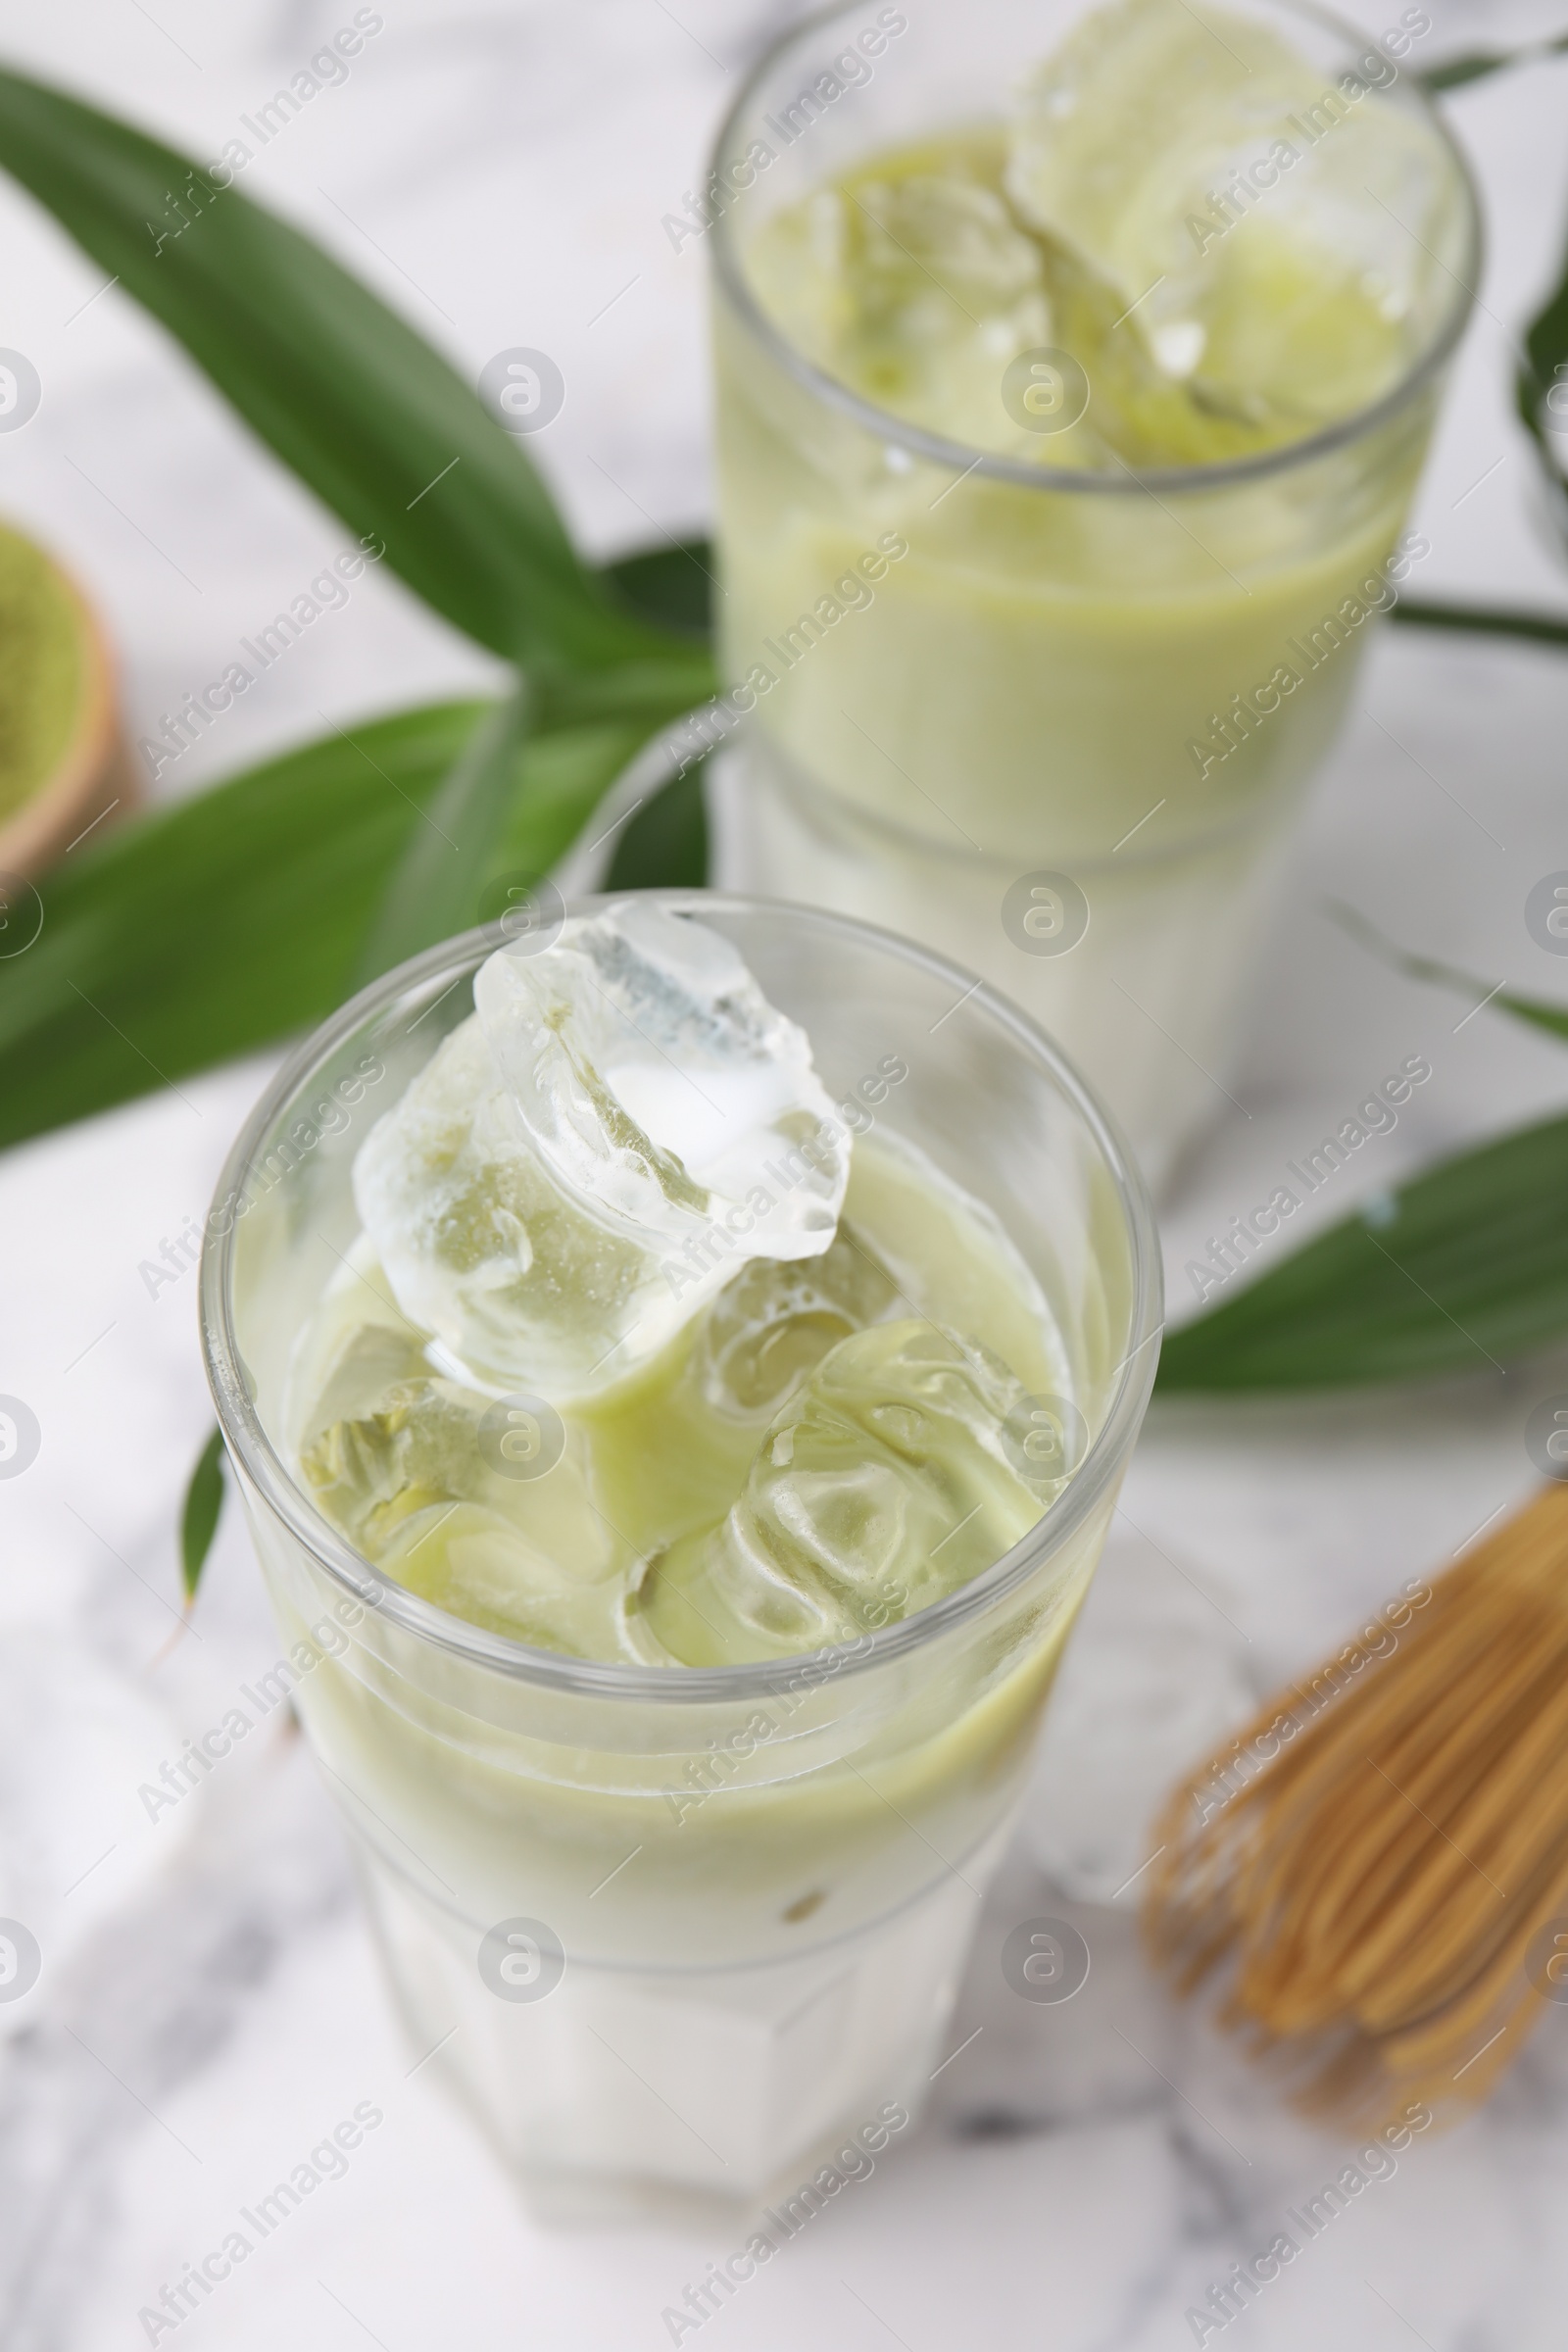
{"x":672,"y":586}
{"x":665,"y":846}
{"x":1483,"y":620}
{"x":1463,"y":1269}
{"x":1540,"y":388}
{"x":349,"y":396}
{"x":203,"y":1508}
{"x":1536,"y":1011}
{"x":1474,"y":65}
{"x":654,"y":691}
{"x":435,"y":884}
{"x":233,"y":919}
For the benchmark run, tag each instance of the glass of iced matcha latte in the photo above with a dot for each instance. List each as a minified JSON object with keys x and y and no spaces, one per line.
{"x":1076,"y":367}
{"x":679,"y":1359}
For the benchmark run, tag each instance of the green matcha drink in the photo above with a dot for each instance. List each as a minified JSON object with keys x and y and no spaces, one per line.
{"x":679,"y":1366}
{"x":670,"y":1530}
{"x":1074,"y":371}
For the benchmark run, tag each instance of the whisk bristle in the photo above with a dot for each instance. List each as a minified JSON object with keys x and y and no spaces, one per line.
{"x":1372,"y":1864}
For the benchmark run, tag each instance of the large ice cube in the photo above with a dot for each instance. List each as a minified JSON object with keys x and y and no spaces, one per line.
{"x":941,"y":232}
{"x":624,"y":1122}
{"x":518,"y":1286}
{"x":1275,"y":238}
{"x":892,"y":1477}
{"x":919,"y":291}
{"x":661,"y":1089}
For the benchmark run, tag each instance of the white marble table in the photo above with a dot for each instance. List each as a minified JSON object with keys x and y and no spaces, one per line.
{"x":211,"y":2008}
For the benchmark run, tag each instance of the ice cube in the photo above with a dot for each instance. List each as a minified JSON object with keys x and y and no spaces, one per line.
{"x":369,"y":1360}
{"x":413,"y":1486}
{"x":624,"y":1123}
{"x":768,"y":1328}
{"x":478,"y":1564}
{"x":661,"y":1089}
{"x":420,"y":1447}
{"x":890,"y":1479}
{"x":936,"y":230}
{"x":1269,"y":235}
{"x":481,"y":1248}
{"x":919,"y":291}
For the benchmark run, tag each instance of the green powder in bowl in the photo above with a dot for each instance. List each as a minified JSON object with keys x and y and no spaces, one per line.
{"x":43,"y":669}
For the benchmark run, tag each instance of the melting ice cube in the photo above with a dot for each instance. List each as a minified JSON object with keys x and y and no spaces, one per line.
{"x":368,"y":1360}
{"x":661,"y":1089}
{"x":520,"y":1289}
{"x":1275,"y":235}
{"x":939,"y":229}
{"x":623,"y":1122}
{"x":919,"y":291}
{"x":768,"y":1328}
{"x":372,"y":1473}
{"x":892,"y":1478}
{"x":416,"y":1489}
{"x":478,"y":1564}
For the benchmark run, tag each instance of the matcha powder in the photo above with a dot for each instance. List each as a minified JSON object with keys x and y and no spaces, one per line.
{"x":42,"y":671}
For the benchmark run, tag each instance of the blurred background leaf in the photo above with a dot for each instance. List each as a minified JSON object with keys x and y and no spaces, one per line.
{"x":1485,"y":620}
{"x":1474,"y":65}
{"x":361,"y":407}
{"x":234,"y":918}
{"x":1536,"y":1011}
{"x":1463,"y":1268}
{"x":1541,"y":392}
{"x":203,"y":1508}
{"x":433,"y":890}
{"x":674,"y":586}
{"x":665,"y":846}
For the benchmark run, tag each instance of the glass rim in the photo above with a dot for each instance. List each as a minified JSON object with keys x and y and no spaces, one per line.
{"x":265,"y":1469}
{"x":992,"y":465}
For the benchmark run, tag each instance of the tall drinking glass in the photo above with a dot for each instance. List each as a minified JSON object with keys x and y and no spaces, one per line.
{"x":668,"y":1931}
{"x":1054,"y":720}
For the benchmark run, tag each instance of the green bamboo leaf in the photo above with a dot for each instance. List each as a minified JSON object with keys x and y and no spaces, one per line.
{"x":348,"y":395}
{"x":665,"y":846}
{"x":1488,"y":621}
{"x":1540,"y":387}
{"x":231,"y":920}
{"x":654,"y":691}
{"x":434,"y":887}
{"x":673,"y":586}
{"x":1463,"y":1268}
{"x":562,"y":779}
{"x":1453,"y":73}
{"x":203,"y":1508}
{"x":1538,"y":1010}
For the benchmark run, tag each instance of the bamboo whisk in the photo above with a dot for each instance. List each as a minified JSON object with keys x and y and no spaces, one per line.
{"x":1379,"y":1872}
